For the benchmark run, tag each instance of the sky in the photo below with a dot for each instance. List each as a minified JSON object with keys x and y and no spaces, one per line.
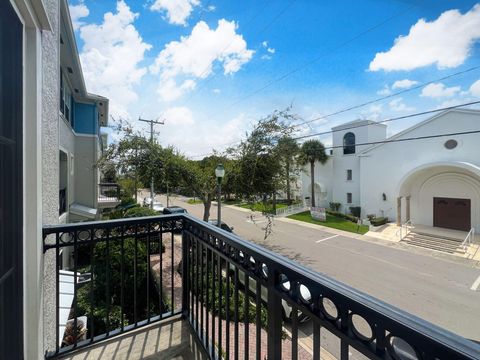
{"x":210,"y":69}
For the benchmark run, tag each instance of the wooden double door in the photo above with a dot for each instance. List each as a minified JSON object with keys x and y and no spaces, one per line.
{"x":452,"y":213}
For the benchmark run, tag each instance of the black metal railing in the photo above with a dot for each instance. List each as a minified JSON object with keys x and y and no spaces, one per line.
{"x":108,"y":192}
{"x":62,"y":201}
{"x":241,"y":300}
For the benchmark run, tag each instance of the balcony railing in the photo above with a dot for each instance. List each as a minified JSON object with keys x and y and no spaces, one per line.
{"x":131,"y":272}
{"x":108,"y":194}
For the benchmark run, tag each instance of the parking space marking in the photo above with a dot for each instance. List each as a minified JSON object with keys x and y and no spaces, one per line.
{"x":328,"y":238}
{"x":475,"y":284}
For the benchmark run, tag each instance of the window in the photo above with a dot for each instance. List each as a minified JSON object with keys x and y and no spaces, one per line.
{"x":349,"y":198}
{"x":349,"y":174}
{"x":66,"y":99}
{"x":349,"y":143}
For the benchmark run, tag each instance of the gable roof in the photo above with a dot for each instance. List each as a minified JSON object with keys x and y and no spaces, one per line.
{"x":418,"y":125}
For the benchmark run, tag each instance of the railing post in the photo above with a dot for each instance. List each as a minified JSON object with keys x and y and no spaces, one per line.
{"x":274,"y":320}
{"x":185,"y":273}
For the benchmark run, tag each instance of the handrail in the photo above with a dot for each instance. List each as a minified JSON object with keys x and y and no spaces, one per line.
{"x":408,"y":229}
{"x":204,"y":246}
{"x":469,"y":239}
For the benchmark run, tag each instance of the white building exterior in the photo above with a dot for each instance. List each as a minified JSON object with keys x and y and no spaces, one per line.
{"x":432,"y":181}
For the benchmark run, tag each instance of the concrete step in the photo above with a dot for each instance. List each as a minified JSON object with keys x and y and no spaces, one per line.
{"x":448,"y":238}
{"x":433,"y":241}
{"x":438,"y":243}
{"x":431,"y":247}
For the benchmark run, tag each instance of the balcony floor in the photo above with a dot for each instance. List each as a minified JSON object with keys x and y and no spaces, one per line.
{"x":169,"y":339}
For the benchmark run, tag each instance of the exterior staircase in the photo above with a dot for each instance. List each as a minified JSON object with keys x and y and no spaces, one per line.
{"x":436,"y":242}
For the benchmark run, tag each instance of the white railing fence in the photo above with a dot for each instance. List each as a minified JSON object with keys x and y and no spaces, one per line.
{"x":292,"y":209}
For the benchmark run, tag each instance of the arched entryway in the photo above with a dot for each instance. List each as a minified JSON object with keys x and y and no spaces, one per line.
{"x":445,"y":195}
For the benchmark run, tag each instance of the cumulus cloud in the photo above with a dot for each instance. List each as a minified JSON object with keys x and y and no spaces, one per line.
{"x":439,"y":90}
{"x":475,"y":88}
{"x":445,"y":42}
{"x":193,"y":57}
{"x":216,"y":91}
{"x":404,"y":84}
{"x":179,"y":116}
{"x":177,"y":11}
{"x":399,"y":106}
{"x":385,"y":91}
{"x":111,"y":57}
{"x":78,"y":12}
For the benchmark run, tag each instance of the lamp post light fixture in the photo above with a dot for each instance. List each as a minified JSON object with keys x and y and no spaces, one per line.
{"x":219,"y":173}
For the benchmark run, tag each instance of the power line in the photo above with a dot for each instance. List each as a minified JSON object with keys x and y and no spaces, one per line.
{"x":390,"y":119}
{"x":345,"y":43}
{"x":265,"y":28}
{"x":408,"y":139}
{"x":379,"y":122}
{"x":416,"y":87}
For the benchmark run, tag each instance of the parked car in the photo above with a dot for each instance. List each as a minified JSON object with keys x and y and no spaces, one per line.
{"x":174,"y":210}
{"x":158,"y":207}
{"x":223,"y":225}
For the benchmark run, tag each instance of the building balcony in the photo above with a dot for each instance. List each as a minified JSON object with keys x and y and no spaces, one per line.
{"x":175,"y":287}
{"x":108,"y":195}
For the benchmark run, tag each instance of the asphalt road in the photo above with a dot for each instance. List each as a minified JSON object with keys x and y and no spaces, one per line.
{"x":432,"y":286}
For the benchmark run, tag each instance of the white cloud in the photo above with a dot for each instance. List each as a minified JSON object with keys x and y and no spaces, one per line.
{"x":475,"y":88}
{"x":78,"y":12}
{"x":177,"y":11}
{"x":111,"y":55}
{"x":269,"y":49}
{"x":211,"y":8}
{"x":438,"y":90}
{"x":193,"y":57}
{"x":399,"y":105}
{"x":385,"y":91}
{"x":216,"y":91}
{"x":404,"y":84}
{"x":374,"y":112}
{"x":178,"y":116}
{"x":445,"y":42}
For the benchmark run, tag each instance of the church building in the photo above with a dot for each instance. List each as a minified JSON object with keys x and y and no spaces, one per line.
{"x":433,"y":181}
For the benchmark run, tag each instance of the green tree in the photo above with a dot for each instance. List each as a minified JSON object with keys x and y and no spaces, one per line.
{"x":311,"y":152}
{"x":287,"y":149}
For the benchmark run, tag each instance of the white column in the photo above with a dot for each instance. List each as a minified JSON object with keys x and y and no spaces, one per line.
{"x":407,"y":208}
{"x":399,"y":211}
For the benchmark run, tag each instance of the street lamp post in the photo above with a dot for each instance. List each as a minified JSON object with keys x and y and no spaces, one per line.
{"x":219,"y":173}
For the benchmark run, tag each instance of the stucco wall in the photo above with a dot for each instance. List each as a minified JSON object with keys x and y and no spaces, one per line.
{"x":385,"y":168}
{"x":50,"y":156}
{"x":86,"y":178}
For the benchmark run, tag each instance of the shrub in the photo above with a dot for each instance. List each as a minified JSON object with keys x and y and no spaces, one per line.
{"x":335,"y":206}
{"x":379,"y":221}
{"x":370,"y":217}
{"x":355,"y":211}
{"x":343,"y":216}
{"x":139,"y":212}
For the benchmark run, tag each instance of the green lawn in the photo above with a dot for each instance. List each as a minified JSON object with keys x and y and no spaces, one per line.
{"x":260,"y":207}
{"x":332,"y":221}
{"x":196,"y":201}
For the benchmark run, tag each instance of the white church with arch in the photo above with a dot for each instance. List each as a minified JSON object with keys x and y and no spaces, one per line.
{"x":434,"y":182}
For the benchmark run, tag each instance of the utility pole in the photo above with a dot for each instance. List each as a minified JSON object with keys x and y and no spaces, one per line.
{"x":152,"y":122}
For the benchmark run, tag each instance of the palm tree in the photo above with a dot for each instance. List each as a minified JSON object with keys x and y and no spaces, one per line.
{"x":287,"y":149}
{"x":310,"y":152}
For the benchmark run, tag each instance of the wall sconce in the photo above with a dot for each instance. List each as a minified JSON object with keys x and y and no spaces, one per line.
{"x":384,"y":197}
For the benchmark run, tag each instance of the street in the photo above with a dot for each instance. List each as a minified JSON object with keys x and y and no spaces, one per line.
{"x":432,"y":286}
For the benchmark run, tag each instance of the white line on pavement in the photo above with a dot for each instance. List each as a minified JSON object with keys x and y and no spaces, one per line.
{"x":475,"y":284}
{"x":328,"y":238}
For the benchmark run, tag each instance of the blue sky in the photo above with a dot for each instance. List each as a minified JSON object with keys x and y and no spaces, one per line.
{"x":211,"y":68}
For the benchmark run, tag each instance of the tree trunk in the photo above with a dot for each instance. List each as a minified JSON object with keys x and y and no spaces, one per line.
{"x":289,"y":200}
{"x":312,"y":179}
{"x":207,"y":204}
{"x":274,"y":203}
